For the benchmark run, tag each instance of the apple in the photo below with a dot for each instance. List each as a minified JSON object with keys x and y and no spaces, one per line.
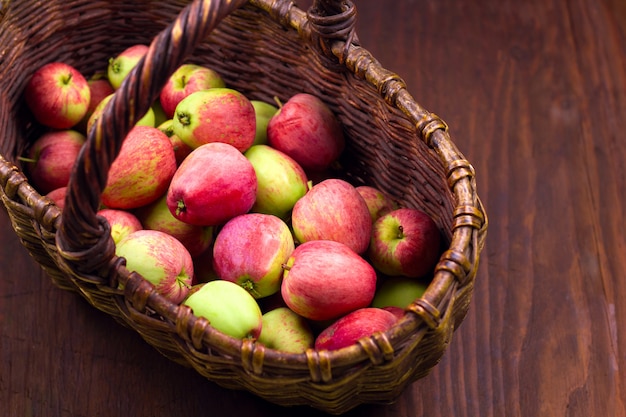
{"x":215,"y":115}
{"x":398,"y":292}
{"x":307,"y":130}
{"x":281,"y":181}
{"x":405,"y":242}
{"x":181,"y":149}
{"x":147,"y":119}
{"x":58,"y":196}
{"x":161,"y":259}
{"x":396,"y":311}
{"x":51,"y":157}
{"x":263,"y":112}
{"x":333,"y":210}
{"x":58,"y":95}
{"x":122,"y":223}
{"x":355,"y":325}
{"x":250,"y":250}
{"x":228,"y":307}
{"x":377,"y":202}
{"x":187,"y":79}
{"x":159,"y":114}
{"x":99,"y":89}
{"x":213,"y":184}
{"x":284,"y":330}
{"x":142,"y":170}
{"x":121,"y":65}
{"x":324,"y":280}
{"x":157,"y":216}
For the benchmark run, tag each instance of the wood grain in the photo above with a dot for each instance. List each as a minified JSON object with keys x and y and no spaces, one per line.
{"x":535,"y":94}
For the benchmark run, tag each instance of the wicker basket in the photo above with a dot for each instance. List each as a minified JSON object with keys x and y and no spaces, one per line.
{"x":264,"y":48}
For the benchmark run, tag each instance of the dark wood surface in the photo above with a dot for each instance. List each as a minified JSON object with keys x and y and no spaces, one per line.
{"x":535,"y":94}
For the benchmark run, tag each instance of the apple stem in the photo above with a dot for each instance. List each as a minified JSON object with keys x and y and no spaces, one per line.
{"x":67,"y":78}
{"x":180,"y":207}
{"x":400,"y":232}
{"x":286,"y":267}
{"x":278,"y":102}
{"x":24,"y":159}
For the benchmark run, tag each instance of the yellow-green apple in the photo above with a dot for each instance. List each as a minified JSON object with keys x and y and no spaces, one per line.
{"x":405,"y":242}
{"x":51,"y":157}
{"x":333,"y":210}
{"x":228,"y":307}
{"x":142,"y":170}
{"x":281,"y":181}
{"x":306,"y":129}
{"x":250,"y":250}
{"x":122,"y":223}
{"x":213,"y":184}
{"x":377,"y":202}
{"x":216,"y":115}
{"x":159,"y":114}
{"x":58,"y":95}
{"x":264,"y":112}
{"x":161,"y":259}
{"x":121,"y":65}
{"x":157,"y":216}
{"x":99,"y":89}
{"x":187,"y":79}
{"x":355,"y":325}
{"x":147,"y":119}
{"x":324,"y":280}
{"x":181,"y":149}
{"x":286,"y":331}
{"x":58,"y":196}
{"x":397,"y":292}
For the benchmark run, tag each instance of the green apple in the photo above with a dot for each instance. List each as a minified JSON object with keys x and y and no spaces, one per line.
{"x":147,"y":119}
{"x":228,"y":308}
{"x":281,"y":181}
{"x":286,"y":331}
{"x":398,"y":292}
{"x":121,"y":65}
{"x":181,"y":149}
{"x":263,"y":112}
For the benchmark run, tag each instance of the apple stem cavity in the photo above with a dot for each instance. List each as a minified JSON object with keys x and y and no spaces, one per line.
{"x":249,"y":286}
{"x":180,"y":207}
{"x":67,"y":78}
{"x":183,"y":118}
{"x":400,"y":232}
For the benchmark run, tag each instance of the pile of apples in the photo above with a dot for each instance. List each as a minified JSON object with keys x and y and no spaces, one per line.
{"x":226,"y":205}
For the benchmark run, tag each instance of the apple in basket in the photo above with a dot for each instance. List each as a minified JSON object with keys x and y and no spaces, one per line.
{"x":281,"y":181}
{"x":333,"y":210}
{"x":264,"y":112}
{"x":122,"y":223}
{"x":58,"y":95}
{"x":353,"y":326}
{"x":405,"y":242}
{"x":398,"y":292}
{"x":121,"y":65}
{"x":228,"y":308}
{"x":307,"y":130}
{"x":58,"y":196}
{"x":181,"y":149}
{"x":157,"y":216}
{"x":286,"y":331}
{"x":51,"y":157}
{"x":378,"y":202}
{"x":216,"y":115}
{"x":145,"y":120}
{"x":187,"y":79}
{"x":161,"y":259}
{"x":142,"y":170}
{"x":324,"y":280}
{"x":250,"y":250}
{"x":99,"y":88}
{"x":213,"y":184}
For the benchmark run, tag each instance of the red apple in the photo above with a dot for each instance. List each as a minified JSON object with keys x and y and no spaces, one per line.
{"x":281,"y":181}
{"x":181,"y":149}
{"x":142,"y":170}
{"x":307,"y":130}
{"x":161,"y":259}
{"x":213,"y":184}
{"x":187,"y":79}
{"x":99,"y":89}
{"x":228,"y":308}
{"x":58,"y":95}
{"x":58,"y":196}
{"x":377,"y":202}
{"x":51,"y":158}
{"x":122,"y":223}
{"x":350,"y":328}
{"x":121,"y":65}
{"x":215,"y":115}
{"x":333,"y":210}
{"x":324,"y":280}
{"x":405,"y":242}
{"x":286,"y":331}
{"x":157,"y":216}
{"x":250,"y":250}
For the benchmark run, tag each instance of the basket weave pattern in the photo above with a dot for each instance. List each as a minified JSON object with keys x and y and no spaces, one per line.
{"x":264,"y":49}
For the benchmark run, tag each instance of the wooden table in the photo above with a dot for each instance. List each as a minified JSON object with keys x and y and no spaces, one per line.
{"x":535,"y":94}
